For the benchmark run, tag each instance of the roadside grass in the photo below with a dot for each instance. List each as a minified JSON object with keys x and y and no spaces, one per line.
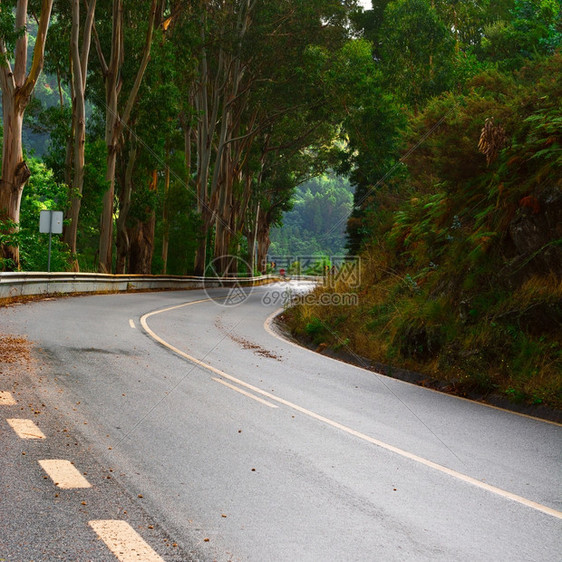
{"x":493,"y":342}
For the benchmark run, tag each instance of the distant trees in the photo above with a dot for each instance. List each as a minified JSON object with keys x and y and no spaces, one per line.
{"x":316,"y":223}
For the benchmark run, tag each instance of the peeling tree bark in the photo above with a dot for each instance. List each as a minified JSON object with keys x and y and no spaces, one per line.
{"x":116,"y":121}
{"x":17,"y":87}
{"x":79,"y":58}
{"x":220,"y":100}
{"x":166,"y":215}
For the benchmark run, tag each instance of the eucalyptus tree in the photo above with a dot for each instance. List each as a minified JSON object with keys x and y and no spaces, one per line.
{"x":142,"y":19}
{"x":149,"y":164}
{"x":17,"y":81}
{"x":284,"y":168}
{"x":217,"y":97}
{"x":297,"y":114}
{"x":79,"y":57}
{"x":250,"y":78}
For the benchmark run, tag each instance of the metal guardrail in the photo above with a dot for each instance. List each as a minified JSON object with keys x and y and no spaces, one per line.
{"x":17,"y":284}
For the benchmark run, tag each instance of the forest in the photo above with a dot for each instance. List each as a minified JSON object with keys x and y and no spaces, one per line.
{"x":457,"y":212}
{"x":307,"y":230}
{"x":170,"y":133}
{"x":176,"y":132}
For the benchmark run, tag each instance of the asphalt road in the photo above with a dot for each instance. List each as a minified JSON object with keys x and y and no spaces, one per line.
{"x":217,"y":440}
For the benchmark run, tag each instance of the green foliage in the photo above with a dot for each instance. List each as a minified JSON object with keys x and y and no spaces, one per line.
{"x":8,"y":237}
{"x":41,"y":193}
{"x":532,"y":29}
{"x":8,"y":34}
{"x":462,"y":271}
{"x":317,"y":330}
{"x":369,"y":133}
{"x":319,"y":267}
{"x":317,"y":220}
{"x":417,"y":51}
{"x":55,"y":121}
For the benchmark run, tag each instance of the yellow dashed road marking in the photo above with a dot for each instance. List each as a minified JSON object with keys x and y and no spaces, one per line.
{"x":64,"y":474}
{"x":26,"y":429}
{"x":124,"y":541}
{"x":6,"y":398}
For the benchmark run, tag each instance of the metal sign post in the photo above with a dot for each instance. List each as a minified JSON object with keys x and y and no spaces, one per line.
{"x":50,"y":222}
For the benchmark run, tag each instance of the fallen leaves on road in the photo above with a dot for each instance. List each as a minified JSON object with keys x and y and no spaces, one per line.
{"x":257,"y":349}
{"x":14,"y":349}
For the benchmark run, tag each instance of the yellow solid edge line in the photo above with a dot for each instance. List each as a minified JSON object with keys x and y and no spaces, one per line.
{"x":271,"y":331}
{"x":7,"y":399}
{"x":64,"y":474}
{"x":25,"y":429}
{"x":443,"y":469}
{"x":123,"y":541}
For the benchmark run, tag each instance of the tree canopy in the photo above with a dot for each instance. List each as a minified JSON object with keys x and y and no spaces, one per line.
{"x":217,"y":97}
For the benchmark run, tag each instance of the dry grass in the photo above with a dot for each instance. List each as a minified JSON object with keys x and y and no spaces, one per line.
{"x":512,"y":347}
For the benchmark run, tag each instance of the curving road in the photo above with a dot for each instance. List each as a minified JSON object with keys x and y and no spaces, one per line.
{"x":215,"y":439}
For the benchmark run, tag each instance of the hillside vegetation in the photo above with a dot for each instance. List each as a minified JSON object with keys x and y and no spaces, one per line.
{"x":461,"y":246}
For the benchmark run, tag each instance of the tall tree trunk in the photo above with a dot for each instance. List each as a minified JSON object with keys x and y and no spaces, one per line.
{"x":252,"y":237}
{"x":142,"y":246}
{"x":220,"y":101}
{"x":113,"y":84}
{"x":142,"y":238}
{"x":263,"y":242}
{"x":79,"y":58}
{"x":69,"y":154}
{"x":15,"y":174}
{"x":206,"y":126}
{"x":165,"y":217}
{"x":115,"y":121}
{"x":201,"y":254}
{"x":17,"y":87}
{"x":125,"y":193}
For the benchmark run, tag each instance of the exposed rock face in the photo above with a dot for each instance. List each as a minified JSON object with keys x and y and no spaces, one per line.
{"x":535,"y":230}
